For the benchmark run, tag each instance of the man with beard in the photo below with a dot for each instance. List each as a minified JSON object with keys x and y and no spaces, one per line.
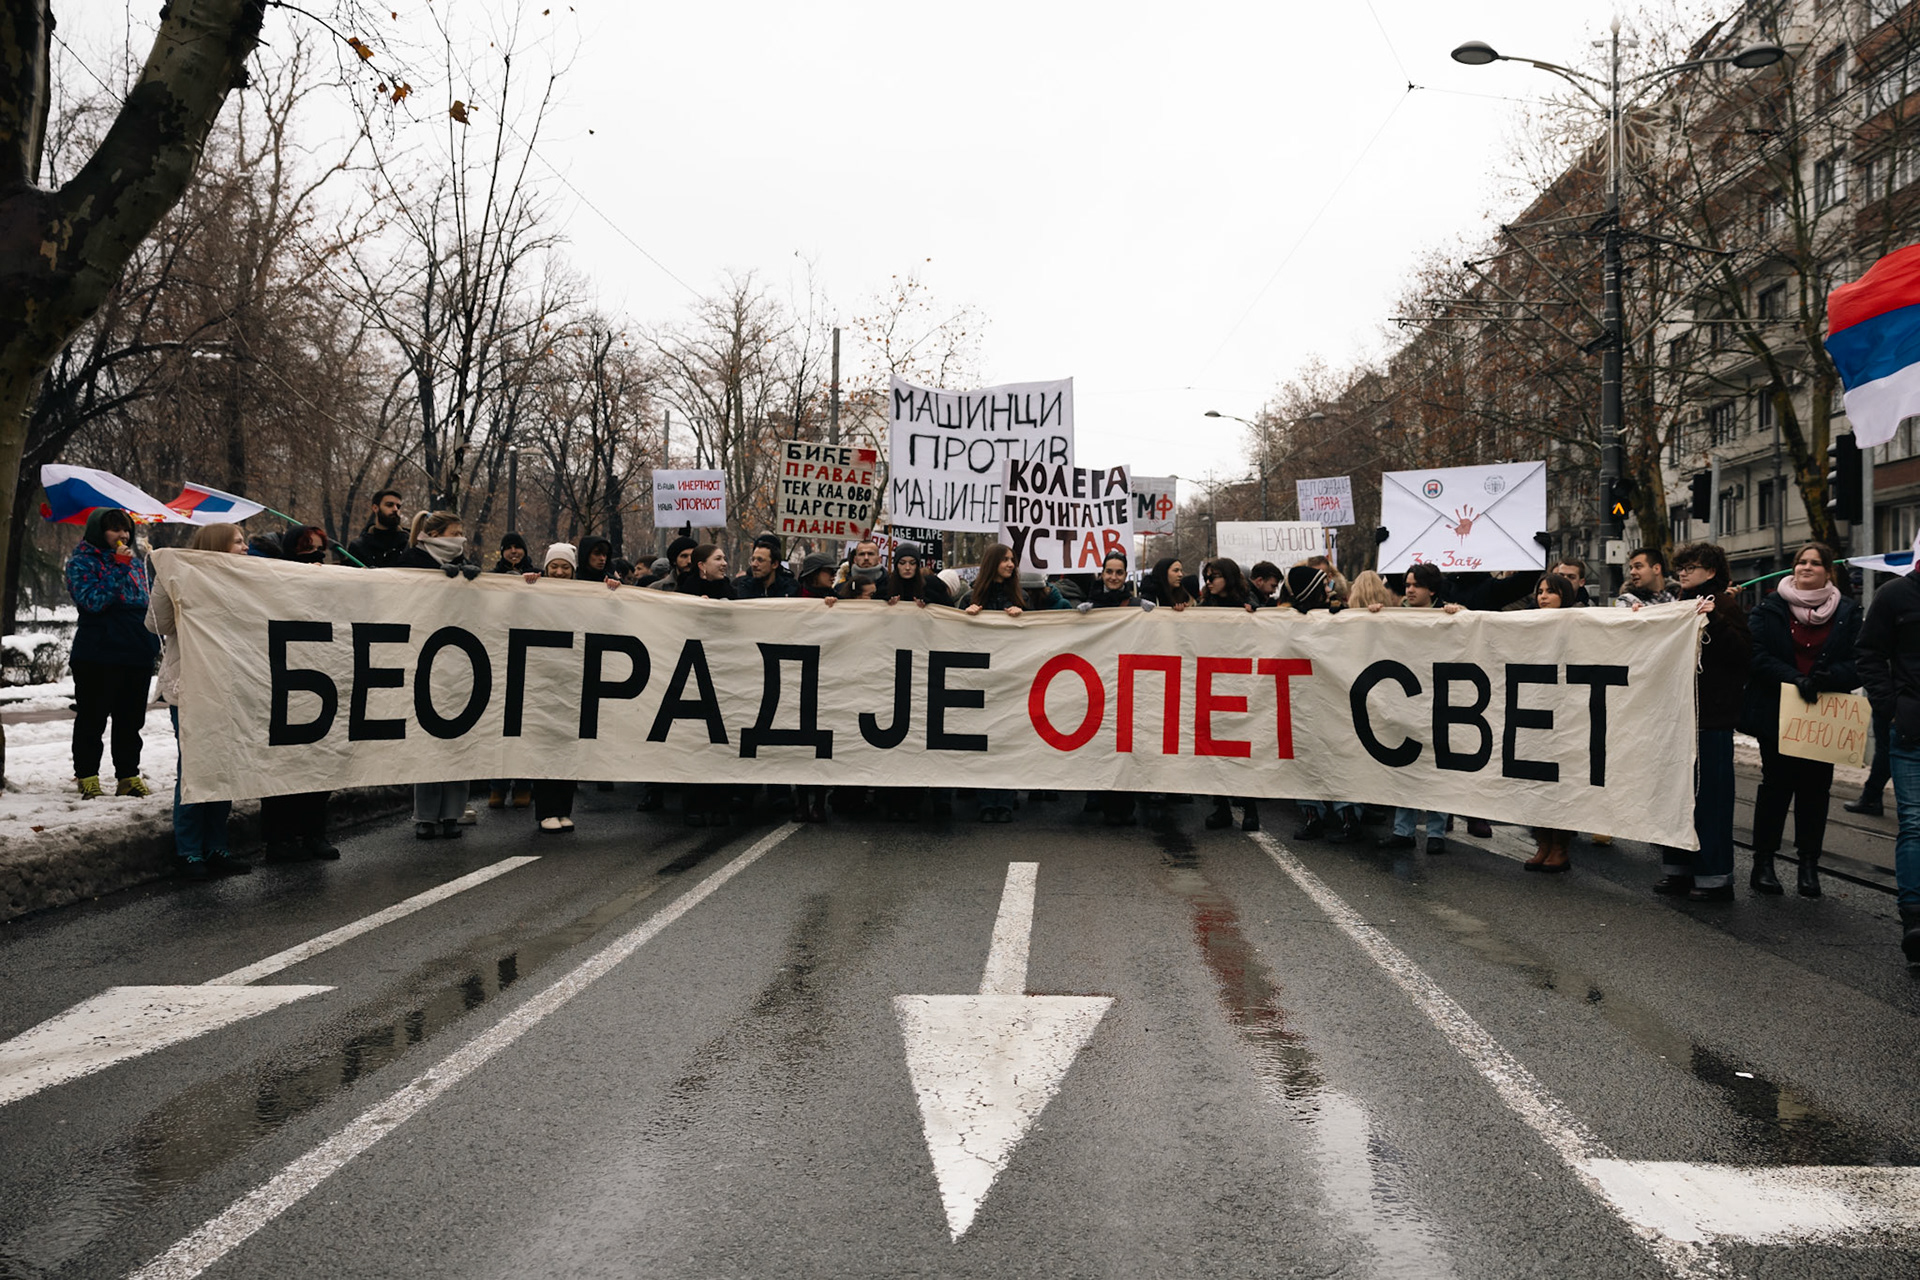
{"x":384,"y":540}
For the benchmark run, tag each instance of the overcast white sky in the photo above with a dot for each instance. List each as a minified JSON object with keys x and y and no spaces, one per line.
{"x":1112,"y":185}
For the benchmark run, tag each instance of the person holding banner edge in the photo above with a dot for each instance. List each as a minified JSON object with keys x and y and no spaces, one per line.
{"x":1726,"y":652}
{"x":1227,"y":589}
{"x":1803,"y":636}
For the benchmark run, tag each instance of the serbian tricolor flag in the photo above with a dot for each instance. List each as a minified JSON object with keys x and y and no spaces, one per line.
{"x":203,"y":504}
{"x":72,"y":492}
{"x":1873,"y":335}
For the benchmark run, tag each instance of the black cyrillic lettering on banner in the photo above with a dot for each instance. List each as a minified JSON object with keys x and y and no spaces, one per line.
{"x":941,"y":699}
{"x":298,"y":680}
{"x":676,"y":706}
{"x":477,"y":697}
{"x":594,"y":688}
{"x":1518,"y":718}
{"x":896,"y":733}
{"x":809,"y":734}
{"x":1598,"y":678}
{"x":1379,"y":673}
{"x":367,"y":677}
{"x":1446,"y":716}
{"x":519,"y":640}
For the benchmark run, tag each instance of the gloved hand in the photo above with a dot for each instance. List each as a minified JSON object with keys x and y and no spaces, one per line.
{"x":1809,"y":691}
{"x":1146,"y":606}
{"x":1084,"y":606}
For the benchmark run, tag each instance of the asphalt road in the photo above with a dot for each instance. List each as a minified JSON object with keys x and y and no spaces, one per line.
{"x":666,"y":1051}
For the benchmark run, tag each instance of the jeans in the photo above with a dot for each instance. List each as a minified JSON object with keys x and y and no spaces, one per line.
{"x":1712,"y":865}
{"x":105,"y":691}
{"x":1904,"y":758}
{"x":199,"y":830}
{"x":1405,"y":820}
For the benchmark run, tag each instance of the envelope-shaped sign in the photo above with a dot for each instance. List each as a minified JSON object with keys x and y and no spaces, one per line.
{"x":1464,"y":519}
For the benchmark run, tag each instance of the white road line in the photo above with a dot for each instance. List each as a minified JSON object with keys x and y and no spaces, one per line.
{"x":223,"y":1233}
{"x":1006,"y":972}
{"x":326,"y":941}
{"x":1680,"y":1245}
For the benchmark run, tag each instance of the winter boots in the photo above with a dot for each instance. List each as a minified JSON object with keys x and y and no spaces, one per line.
{"x":1763,"y":879}
{"x":1910,"y":932}
{"x":1809,"y":874}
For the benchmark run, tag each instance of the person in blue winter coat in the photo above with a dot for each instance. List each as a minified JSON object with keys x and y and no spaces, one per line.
{"x":113,"y":652}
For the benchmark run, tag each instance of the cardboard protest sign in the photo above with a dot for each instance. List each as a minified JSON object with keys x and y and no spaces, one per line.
{"x":1328,"y":500}
{"x":698,"y":498}
{"x":439,"y":678}
{"x":1285,"y":542}
{"x":928,"y":542}
{"x":1834,"y":729}
{"x":1067,"y":519}
{"x":1464,"y":518}
{"x":827,"y":490}
{"x":949,"y":449}
{"x":1154,"y":504}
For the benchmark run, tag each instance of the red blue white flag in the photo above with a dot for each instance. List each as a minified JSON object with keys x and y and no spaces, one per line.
{"x":72,"y":492}
{"x":203,"y":504}
{"x":1873,"y":335}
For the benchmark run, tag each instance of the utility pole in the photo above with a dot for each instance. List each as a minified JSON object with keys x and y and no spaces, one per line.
{"x":833,"y":393}
{"x":1614,"y":338}
{"x":513,"y":488}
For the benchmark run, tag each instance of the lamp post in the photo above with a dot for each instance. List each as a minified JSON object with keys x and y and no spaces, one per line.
{"x":1478,"y":53}
{"x":1315,"y":416}
{"x":513,"y":488}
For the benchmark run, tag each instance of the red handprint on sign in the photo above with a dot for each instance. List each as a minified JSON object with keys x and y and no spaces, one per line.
{"x":1462,"y":522}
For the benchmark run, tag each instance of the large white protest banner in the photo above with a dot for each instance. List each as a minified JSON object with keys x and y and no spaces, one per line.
{"x":1464,"y":518}
{"x":949,"y":449}
{"x":1327,"y":500}
{"x":1520,"y":717}
{"x":698,"y":498}
{"x":1067,"y":519}
{"x":1284,"y":542}
{"x":1154,"y":504}
{"x":827,"y":490}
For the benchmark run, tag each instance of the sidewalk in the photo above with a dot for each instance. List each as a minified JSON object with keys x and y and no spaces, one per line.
{"x":56,"y":848}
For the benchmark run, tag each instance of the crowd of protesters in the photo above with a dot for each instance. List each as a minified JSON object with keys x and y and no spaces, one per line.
{"x":1805,"y":638}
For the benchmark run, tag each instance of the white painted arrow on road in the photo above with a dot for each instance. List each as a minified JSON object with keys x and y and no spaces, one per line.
{"x":129,"y":1022}
{"x":984,"y":1066}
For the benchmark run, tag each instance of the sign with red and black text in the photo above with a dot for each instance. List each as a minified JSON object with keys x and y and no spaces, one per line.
{"x":827,"y":490}
{"x":1531,"y":717}
{"x":1154,"y":505}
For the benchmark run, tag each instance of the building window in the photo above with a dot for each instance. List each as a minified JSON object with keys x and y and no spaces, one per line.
{"x":1729,"y":510}
{"x":1681,"y":521}
{"x":1830,"y":77}
{"x":1763,"y":409}
{"x":1830,"y":181}
{"x":1773,"y":302}
{"x":1720,"y":423}
{"x":1773,"y":215}
{"x":1765,"y":515}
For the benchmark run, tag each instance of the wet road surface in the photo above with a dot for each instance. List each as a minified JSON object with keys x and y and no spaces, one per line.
{"x":668,"y":1051}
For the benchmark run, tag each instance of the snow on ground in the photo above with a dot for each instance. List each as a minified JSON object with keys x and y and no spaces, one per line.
{"x":49,"y":613}
{"x":41,"y":806}
{"x":57,"y":696}
{"x":1746,"y":753}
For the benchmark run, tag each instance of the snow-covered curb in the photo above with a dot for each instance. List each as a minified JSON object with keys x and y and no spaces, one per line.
{"x":56,"y":848}
{"x":1746,"y":751}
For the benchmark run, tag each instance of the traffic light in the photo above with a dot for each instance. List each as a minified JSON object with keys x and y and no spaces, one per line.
{"x":1619,"y":498}
{"x":1846,"y":496}
{"x":1700,"y":501}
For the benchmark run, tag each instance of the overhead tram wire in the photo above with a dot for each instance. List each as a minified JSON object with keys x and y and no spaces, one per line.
{"x":1326,"y":204}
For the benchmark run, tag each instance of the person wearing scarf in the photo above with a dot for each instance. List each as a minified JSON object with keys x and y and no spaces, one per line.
{"x":1706,"y":874}
{"x":1803,"y":636}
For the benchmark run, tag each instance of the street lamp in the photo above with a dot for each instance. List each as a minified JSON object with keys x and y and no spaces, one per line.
{"x":1315,"y":416}
{"x":1478,"y":53}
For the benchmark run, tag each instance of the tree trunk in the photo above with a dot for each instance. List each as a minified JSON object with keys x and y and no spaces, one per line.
{"x":61,"y":251}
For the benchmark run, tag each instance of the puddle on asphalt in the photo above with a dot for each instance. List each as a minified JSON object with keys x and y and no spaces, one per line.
{"x":1779,"y":1124}
{"x":1362,"y":1176}
{"x":209,"y":1124}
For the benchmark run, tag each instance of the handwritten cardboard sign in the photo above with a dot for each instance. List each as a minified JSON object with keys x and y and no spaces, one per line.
{"x":827,"y":490}
{"x":1326,"y":500}
{"x":1834,"y":729}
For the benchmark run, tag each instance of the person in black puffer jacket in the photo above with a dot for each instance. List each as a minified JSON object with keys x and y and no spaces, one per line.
{"x":1726,"y":649}
{"x":1804,"y":636}
{"x":113,"y":652}
{"x":1889,"y":661}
